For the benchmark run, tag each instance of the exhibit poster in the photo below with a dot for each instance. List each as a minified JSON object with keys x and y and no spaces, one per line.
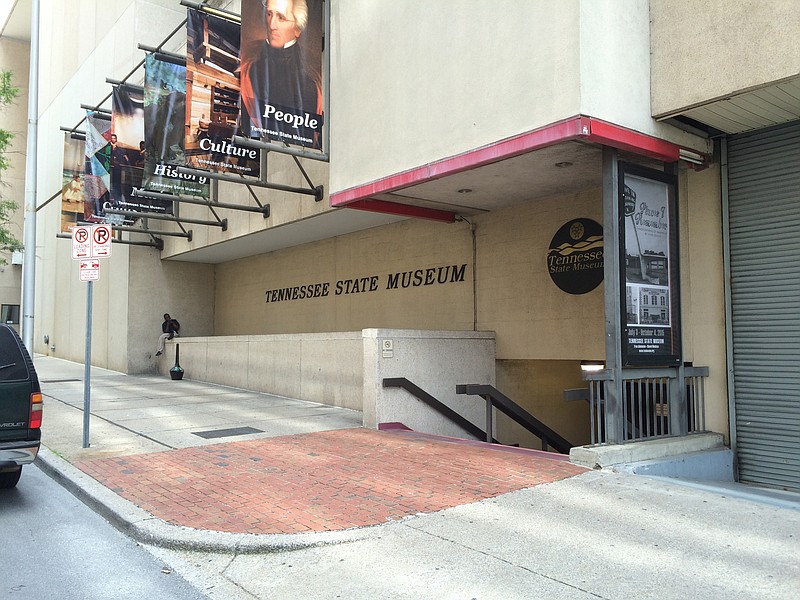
{"x":649,"y":263}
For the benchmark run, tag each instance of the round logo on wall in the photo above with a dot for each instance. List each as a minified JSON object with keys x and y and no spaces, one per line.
{"x":575,"y":258}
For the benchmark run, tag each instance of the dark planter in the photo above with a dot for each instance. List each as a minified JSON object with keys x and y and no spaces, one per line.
{"x":176,"y":372}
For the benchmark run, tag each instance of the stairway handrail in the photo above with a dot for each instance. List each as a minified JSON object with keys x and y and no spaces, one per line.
{"x":514,"y":411}
{"x":436,"y":405}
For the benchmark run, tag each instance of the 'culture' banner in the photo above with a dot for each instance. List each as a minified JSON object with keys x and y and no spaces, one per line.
{"x":164,"y":131}
{"x":212,"y":83}
{"x":281,"y":72}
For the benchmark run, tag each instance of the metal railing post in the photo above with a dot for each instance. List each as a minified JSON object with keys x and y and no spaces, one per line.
{"x":678,"y":415}
{"x":488,"y":418}
{"x":614,"y":397}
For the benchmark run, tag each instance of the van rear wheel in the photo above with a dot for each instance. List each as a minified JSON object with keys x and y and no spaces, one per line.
{"x":9,"y":479}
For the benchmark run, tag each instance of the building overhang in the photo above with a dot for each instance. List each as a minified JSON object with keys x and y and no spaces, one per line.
{"x":560,"y":158}
{"x":765,"y":106}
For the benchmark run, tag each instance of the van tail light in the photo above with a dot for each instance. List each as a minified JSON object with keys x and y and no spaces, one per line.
{"x":35,"y":422}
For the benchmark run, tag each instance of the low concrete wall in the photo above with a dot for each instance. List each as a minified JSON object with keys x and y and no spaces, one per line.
{"x":347,"y":370}
{"x":436,"y":361}
{"x":319,"y":367}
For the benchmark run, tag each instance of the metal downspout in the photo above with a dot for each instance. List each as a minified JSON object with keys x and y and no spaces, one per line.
{"x":29,"y":233}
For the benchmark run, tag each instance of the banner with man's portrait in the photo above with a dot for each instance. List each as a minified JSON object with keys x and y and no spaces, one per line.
{"x":281,"y":73}
{"x":165,"y":131}
{"x":72,"y":182}
{"x":212,"y":84}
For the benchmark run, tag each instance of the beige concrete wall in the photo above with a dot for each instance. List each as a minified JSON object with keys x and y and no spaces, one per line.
{"x":533,"y":318}
{"x":374,"y":253}
{"x":155,"y":286}
{"x":14,"y":119}
{"x":703,"y":287}
{"x":709,"y":49}
{"x":542,"y":332}
{"x":538,"y":386}
{"x":514,"y":293}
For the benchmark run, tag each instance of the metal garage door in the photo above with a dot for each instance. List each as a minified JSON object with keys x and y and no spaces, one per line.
{"x":764,"y":197}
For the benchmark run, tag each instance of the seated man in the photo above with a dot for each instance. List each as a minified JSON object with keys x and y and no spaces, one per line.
{"x":170,"y":328}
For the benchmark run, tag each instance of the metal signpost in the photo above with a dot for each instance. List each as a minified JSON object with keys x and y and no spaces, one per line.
{"x":89,"y":242}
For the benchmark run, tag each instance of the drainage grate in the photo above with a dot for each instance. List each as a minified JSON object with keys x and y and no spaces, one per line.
{"x":218,"y":433}
{"x":59,"y":380}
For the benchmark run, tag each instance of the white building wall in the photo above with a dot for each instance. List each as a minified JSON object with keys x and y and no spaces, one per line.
{"x":13,"y":118}
{"x":82,"y":44}
{"x":416,"y":81}
{"x":615,"y":69}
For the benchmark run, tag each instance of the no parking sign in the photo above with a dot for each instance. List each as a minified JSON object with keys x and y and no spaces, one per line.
{"x":90,"y":241}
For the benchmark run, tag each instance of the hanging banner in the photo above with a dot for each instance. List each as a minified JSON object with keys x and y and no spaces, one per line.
{"x":165,"y":131}
{"x":281,"y":71}
{"x":72,"y":183}
{"x":128,"y":153}
{"x":212,"y":84}
{"x":97,"y":170}
{"x":649,"y":263}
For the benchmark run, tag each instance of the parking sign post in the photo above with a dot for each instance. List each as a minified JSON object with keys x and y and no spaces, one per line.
{"x":89,"y":242}
{"x":87,"y":367}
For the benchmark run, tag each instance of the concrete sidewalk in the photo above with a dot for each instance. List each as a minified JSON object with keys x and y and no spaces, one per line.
{"x":422,"y":518}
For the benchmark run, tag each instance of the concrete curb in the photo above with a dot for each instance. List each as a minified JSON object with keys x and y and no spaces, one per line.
{"x":143,"y":527}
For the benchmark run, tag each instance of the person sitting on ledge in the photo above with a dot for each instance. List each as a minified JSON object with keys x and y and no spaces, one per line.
{"x":170,"y":328}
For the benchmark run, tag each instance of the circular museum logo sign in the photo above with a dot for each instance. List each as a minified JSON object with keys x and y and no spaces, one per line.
{"x":575,"y":258}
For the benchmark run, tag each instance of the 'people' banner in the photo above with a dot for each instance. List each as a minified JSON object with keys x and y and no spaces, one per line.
{"x":281,"y":72}
{"x":164,"y":131}
{"x":212,"y":83}
{"x":72,"y":183}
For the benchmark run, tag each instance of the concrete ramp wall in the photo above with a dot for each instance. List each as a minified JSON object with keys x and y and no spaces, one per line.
{"x":319,"y":367}
{"x":436,"y":361}
{"x":347,"y":369}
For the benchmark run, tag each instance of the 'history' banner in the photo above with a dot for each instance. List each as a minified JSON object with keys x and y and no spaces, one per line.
{"x":164,"y":131}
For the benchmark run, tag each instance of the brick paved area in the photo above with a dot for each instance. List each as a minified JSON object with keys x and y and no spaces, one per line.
{"x":323,"y":481}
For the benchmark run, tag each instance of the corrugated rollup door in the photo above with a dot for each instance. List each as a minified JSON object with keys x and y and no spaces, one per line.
{"x":764,"y":198}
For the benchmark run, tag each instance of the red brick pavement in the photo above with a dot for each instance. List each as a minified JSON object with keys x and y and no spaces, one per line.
{"x":323,"y":481}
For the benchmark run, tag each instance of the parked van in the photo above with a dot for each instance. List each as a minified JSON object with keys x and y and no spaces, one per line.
{"x":20,"y":408}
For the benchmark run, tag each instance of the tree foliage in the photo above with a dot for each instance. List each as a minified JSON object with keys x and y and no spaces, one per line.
{"x":7,"y":207}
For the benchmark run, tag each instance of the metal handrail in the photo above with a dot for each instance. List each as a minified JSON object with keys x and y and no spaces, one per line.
{"x":495,"y":398}
{"x":438,"y":406}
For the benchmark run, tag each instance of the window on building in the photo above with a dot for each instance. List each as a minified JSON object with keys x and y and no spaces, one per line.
{"x":9,"y":313}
